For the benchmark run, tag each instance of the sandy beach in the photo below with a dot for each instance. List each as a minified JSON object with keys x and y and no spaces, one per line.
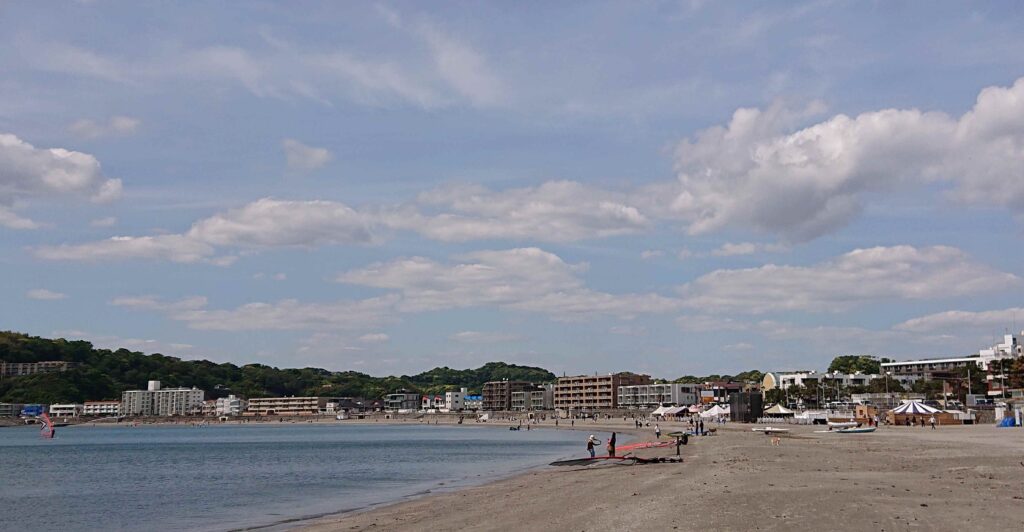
{"x":897,"y":478}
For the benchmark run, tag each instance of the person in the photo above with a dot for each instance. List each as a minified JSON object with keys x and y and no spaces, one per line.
{"x":657,"y":431}
{"x":701,"y":423}
{"x":932,"y":421}
{"x":611,"y":445}
{"x":590,"y":445}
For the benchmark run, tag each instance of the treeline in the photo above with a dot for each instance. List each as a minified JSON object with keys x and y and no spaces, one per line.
{"x":105,"y":374}
{"x":745,"y":376}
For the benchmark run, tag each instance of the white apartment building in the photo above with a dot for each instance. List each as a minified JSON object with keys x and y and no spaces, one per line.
{"x":655,"y":395}
{"x":157,"y":401}
{"x":783,"y":380}
{"x":66,"y":410}
{"x":473,"y":402}
{"x":455,"y":401}
{"x":101,"y":408}
{"x":291,"y":406}
{"x":230,"y":406}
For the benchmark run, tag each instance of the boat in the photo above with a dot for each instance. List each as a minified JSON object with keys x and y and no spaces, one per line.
{"x":855,"y":430}
{"x":769,"y":430}
{"x":842,"y":424}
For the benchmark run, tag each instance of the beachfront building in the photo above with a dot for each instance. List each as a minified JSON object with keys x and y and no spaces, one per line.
{"x":10,"y":409}
{"x":402,"y":401}
{"x":473,"y":402}
{"x":454,"y":401}
{"x":101,"y":408}
{"x":987,"y":360}
{"x":230,"y":406}
{"x":541,"y":397}
{"x":719,"y":391}
{"x":655,"y":395}
{"x":783,"y":380}
{"x":157,"y":401}
{"x":20,"y":369}
{"x":66,"y":410}
{"x":589,"y":393}
{"x":432,"y":402}
{"x":289,"y":406}
{"x":497,"y":395}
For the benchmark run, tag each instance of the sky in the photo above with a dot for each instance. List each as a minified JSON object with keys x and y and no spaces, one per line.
{"x":662,"y":187}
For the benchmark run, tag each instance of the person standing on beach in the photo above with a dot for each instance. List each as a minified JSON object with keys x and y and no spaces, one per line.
{"x":657,"y":431}
{"x":932,"y":421}
{"x":590,"y":445}
{"x":611,"y":445}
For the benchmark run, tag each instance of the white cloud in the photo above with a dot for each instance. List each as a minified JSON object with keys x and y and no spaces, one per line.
{"x":463,"y":68}
{"x":555,"y":211}
{"x":527,"y":279}
{"x":303,"y":158}
{"x":857,"y":277}
{"x":739,"y":346}
{"x":29,"y":173}
{"x":177,"y":248}
{"x":484,"y":337}
{"x":43,"y":294}
{"x":115,"y":125}
{"x":960,"y":320}
{"x":651,"y":254}
{"x":374,"y":338}
{"x":730,"y":249}
{"x":807,"y":183}
{"x":628,"y":330}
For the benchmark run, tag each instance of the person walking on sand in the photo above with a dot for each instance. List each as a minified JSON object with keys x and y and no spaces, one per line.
{"x":932,"y":421}
{"x":657,"y":431}
{"x":611,"y":445}
{"x":590,"y":445}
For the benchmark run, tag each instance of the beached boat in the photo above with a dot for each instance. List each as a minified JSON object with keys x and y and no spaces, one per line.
{"x":856,"y":430}
{"x":842,"y":424}
{"x":769,"y":430}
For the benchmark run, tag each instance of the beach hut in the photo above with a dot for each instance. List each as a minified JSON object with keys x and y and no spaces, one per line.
{"x":918,"y":413}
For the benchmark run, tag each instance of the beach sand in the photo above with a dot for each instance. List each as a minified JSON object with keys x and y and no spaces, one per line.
{"x":900,"y":478}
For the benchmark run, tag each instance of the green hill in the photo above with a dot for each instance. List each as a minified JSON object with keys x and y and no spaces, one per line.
{"x":104,"y":374}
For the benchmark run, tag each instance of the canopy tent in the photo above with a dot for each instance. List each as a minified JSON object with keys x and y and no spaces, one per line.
{"x":779,"y":410}
{"x":660,"y":411}
{"x":911,"y":408}
{"x":675,"y":411}
{"x":694,"y":409}
{"x":716,"y":411}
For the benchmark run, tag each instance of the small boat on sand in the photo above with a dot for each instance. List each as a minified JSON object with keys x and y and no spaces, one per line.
{"x":769,"y":430}
{"x":855,"y":430}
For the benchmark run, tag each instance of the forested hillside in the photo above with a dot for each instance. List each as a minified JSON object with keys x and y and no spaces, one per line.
{"x":104,"y":374}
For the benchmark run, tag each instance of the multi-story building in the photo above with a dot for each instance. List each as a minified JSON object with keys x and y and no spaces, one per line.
{"x":543,"y":398}
{"x":289,"y":406}
{"x":101,"y":408}
{"x":66,"y":410}
{"x":719,"y":391}
{"x":783,"y":380}
{"x":455,"y":401}
{"x":157,"y":401}
{"x":498,"y":394}
{"x":588,"y":393}
{"x":473,"y":402}
{"x":18,"y":369}
{"x":432,"y":402}
{"x":402,"y":401}
{"x":655,"y":395}
{"x":230,"y":406}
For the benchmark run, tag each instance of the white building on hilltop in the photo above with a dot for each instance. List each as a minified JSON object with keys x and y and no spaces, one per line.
{"x":157,"y":401}
{"x":230,"y":406}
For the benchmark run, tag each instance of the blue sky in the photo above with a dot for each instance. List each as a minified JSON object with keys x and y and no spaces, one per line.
{"x":664,"y":187}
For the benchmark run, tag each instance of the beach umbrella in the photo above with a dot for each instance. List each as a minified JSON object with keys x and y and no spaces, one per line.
{"x":911,"y":408}
{"x":779,"y":410}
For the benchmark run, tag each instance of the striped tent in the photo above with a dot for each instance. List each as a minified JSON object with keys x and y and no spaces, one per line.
{"x":911,"y":408}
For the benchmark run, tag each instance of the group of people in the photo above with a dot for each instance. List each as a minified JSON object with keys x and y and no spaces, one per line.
{"x":913,"y":421}
{"x":593,"y":442}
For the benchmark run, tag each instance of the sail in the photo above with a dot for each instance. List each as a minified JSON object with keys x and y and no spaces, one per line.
{"x":46,"y":430}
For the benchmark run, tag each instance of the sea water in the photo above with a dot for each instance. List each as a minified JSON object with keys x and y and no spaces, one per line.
{"x":224,"y":477}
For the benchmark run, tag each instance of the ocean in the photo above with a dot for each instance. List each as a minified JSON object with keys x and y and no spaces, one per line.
{"x":225,"y":477}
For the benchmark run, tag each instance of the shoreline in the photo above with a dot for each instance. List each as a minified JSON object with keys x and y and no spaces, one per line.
{"x":897,"y":478}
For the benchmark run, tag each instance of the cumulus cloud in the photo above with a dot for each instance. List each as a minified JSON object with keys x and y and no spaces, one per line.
{"x":43,"y":294}
{"x":648,"y":254}
{"x":303,"y":158}
{"x":115,"y":125}
{"x":528,"y":279}
{"x":374,"y":338}
{"x":730,"y":249}
{"x":800,"y":185}
{"x":555,"y":211}
{"x":857,"y":277}
{"x":484,"y":337}
{"x":958,"y":320}
{"x":29,"y":173}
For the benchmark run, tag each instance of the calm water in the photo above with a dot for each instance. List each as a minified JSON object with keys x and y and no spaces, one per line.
{"x":225,"y":477}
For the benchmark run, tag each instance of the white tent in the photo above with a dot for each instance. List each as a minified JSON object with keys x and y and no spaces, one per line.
{"x":779,"y":410}
{"x":661,"y":411}
{"x":675,"y":411}
{"x":715,"y":411}
{"x":914,"y":408}
{"x":694,"y":409}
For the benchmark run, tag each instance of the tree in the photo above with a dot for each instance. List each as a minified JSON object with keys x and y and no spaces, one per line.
{"x":854,"y":363}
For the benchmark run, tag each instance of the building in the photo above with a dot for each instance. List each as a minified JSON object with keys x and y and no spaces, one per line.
{"x":402,"y":401}
{"x":209,"y":408}
{"x":541,"y":397}
{"x":432,"y":402}
{"x":18,"y":369}
{"x":101,"y":408}
{"x":885,"y":401}
{"x":157,"y":401}
{"x":10,"y":409}
{"x":655,"y":395}
{"x":289,"y":406}
{"x":783,"y":380}
{"x":473,"y":402}
{"x":589,"y":393}
{"x":498,"y":394}
{"x":230,"y":406}
{"x":987,"y":360}
{"x":455,"y":401}
{"x":719,"y":391}
{"x":66,"y":410}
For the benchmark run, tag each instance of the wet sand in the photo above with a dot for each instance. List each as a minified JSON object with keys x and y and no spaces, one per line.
{"x":900,"y":478}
